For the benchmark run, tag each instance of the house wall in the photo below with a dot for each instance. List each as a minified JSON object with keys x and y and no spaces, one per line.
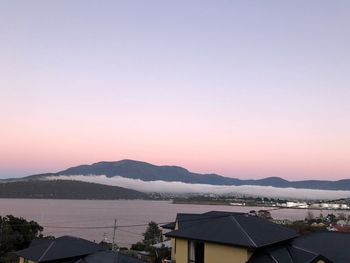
{"x":213,"y":253}
{"x":180,"y":254}
{"x":21,"y":260}
{"x":173,"y":248}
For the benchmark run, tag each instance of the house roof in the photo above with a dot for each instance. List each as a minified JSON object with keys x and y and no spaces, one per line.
{"x":183,"y":218}
{"x":238,"y":229}
{"x":332,"y":245}
{"x":285,"y":254}
{"x":170,"y":225}
{"x":59,"y":248}
{"x":109,"y":257}
{"x":340,"y":228}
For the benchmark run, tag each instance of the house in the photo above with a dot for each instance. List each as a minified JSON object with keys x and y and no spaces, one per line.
{"x":67,"y":249}
{"x":242,"y":238}
{"x":233,"y":237}
{"x":339,"y":228}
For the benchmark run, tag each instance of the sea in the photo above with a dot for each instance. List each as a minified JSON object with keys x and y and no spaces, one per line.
{"x":95,"y":219}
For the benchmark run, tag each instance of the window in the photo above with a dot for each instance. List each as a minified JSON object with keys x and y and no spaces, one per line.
{"x":195,"y":252}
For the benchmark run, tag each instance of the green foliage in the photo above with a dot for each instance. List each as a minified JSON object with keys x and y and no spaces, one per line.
{"x":65,"y":189}
{"x":139,"y":246}
{"x":153,"y":234}
{"x":304,"y":228}
{"x":16,"y":233}
{"x":331,"y":218}
{"x":264,"y":214}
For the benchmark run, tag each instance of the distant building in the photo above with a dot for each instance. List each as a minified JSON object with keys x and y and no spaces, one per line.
{"x":295,"y":204}
{"x":339,"y":228}
{"x":329,"y":206}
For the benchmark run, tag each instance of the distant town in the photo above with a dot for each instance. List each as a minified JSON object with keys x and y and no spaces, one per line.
{"x":212,"y":199}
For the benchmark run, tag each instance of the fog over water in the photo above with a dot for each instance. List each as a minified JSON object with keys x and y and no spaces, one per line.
{"x":180,"y":187}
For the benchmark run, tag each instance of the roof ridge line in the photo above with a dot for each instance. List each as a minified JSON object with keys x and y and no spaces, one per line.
{"x":290,"y":254}
{"x":45,"y":252}
{"x":306,"y":250}
{"x":244,"y":232}
{"x":273,"y":258}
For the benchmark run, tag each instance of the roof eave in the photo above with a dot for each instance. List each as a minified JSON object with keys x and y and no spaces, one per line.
{"x":211,"y":241}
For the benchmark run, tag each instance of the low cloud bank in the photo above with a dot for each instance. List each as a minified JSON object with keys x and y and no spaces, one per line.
{"x":183,"y":188}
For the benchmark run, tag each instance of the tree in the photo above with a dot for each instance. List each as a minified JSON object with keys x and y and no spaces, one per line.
{"x":331,"y":218}
{"x":321,"y":216}
{"x":139,"y":246}
{"x":153,"y":234}
{"x":264,"y":214}
{"x":304,"y":228}
{"x":309,"y":216}
{"x":341,"y":216}
{"x":16,"y":233}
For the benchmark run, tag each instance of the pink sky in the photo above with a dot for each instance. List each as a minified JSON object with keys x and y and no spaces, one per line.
{"x":177,"y":84}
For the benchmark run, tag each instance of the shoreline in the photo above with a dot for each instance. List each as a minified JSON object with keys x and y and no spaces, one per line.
{"x":254,"y":205}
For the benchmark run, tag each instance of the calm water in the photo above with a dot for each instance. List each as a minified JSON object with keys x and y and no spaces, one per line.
{"x":54,"y":214}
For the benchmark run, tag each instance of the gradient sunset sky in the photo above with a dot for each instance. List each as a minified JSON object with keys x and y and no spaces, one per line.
{"x":246,"y":89}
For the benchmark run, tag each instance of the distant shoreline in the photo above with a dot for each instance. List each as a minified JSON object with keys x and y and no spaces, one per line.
{"x":252,"y":205}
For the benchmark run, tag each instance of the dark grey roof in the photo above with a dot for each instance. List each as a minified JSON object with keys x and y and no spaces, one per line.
{"x":60,"y":248}
{"x":332,"y":245}
{"x":183,"y":218}
{"x":169,"y":226}
{"x":232,"y":229}
{"x":109,"y":257}
{"x":285,"y":254}
{"x":37,"y":242}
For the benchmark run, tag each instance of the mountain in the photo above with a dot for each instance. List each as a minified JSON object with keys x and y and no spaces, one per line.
{"x":149,"y":172}
{"x":61,"y":189}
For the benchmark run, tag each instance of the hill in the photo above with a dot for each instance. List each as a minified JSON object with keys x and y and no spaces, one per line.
{"x":61,"y":189}
{"x":149,"y":172}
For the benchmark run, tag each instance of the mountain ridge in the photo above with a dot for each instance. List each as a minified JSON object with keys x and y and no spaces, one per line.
{"x":170,"y":173}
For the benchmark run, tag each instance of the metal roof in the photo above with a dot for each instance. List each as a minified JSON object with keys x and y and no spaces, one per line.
{"x":59,"y":248}
{"x":332,"y":245}
{"x":236,"y":229}
{"x":286,"y":254}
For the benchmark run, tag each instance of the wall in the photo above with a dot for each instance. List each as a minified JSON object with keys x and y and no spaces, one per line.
{"x":21,"y":260}
{"x":214,"y":253}
{"x":180,"y":255}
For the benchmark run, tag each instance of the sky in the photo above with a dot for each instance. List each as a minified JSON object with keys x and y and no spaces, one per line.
{"x":246,"y":89}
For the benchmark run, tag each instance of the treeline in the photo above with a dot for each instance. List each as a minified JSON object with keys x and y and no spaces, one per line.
{"x":65,"y":189}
